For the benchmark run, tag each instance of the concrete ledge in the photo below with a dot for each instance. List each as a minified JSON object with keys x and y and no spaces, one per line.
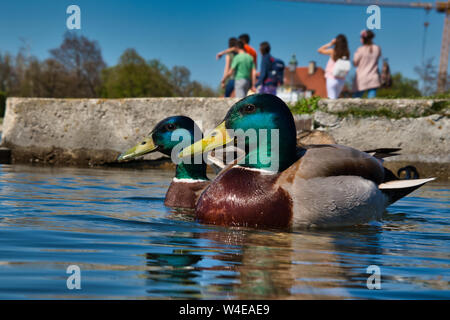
{"x":94,"y":131}
{"x":424,"y":139}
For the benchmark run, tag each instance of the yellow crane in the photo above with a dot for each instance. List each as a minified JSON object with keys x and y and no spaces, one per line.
{"x":440,"y":6}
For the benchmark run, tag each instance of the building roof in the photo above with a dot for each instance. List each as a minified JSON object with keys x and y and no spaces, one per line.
{"x":314,"y":82}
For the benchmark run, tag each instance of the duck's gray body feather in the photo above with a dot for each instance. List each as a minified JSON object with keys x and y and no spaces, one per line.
{"x":335,"y":201}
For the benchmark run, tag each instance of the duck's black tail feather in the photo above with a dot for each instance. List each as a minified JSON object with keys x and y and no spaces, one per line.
{"x":397,"y":189}
{"x":381,"y":153}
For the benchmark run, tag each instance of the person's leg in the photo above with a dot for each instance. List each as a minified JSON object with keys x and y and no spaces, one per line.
{"x":339,"y":86}
{"x":331,"y":88}
{"x":358,"y":94}
{"x":247,"y":86}
{"x":240,"y":88}
{"x":372,"y":93}
{"x":229,"y":87}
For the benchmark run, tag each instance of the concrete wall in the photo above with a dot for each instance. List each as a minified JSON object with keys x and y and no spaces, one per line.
{"x":96,"y":131}
{"x":424,"y":140}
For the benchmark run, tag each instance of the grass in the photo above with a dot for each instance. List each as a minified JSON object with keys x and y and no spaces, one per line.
{"x":305,"y":106}
{"x":439,"y":107}
{"x":310,"y":105}
{"x":382,"y":112}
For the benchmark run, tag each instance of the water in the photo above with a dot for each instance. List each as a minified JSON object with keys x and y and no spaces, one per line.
{"x":112,"y":223}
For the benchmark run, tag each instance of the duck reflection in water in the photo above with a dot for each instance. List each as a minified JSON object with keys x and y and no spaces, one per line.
{"x":267,"y":265}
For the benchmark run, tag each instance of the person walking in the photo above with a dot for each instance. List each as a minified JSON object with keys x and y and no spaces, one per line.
{"x":267,"y":83}
{"x":245,"y":38}
{"x":229,"y":85}
{"x":338,"y":51}
{"x":244,"y":72}
{"x":366,"y":62}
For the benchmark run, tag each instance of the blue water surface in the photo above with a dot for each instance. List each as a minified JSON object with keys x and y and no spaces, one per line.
{"x":113,"y":225}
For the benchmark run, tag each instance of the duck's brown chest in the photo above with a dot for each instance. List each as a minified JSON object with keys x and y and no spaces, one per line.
{"x":184,"y":194}
{"x":243,"y":197}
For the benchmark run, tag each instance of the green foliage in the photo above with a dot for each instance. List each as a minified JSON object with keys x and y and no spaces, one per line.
{"x":134,"y":77}
{"x":439,"y":106}
{"x":179,"y":77}
{"x":401,"y":88}
{"x":382,"y":112}
{"x":76,"y":70}
{"x":436,"y":108}
{"x":2,"y":104}
{"x":445,"y":95}
{"x":305,"y":105}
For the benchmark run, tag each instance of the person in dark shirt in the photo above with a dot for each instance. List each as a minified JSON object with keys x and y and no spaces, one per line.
{"x":266,"y":81}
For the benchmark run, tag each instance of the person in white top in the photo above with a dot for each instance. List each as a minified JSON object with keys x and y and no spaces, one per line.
{"x":336,"y":49}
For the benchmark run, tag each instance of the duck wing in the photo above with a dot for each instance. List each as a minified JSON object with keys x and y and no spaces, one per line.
{"x":335,"y":160}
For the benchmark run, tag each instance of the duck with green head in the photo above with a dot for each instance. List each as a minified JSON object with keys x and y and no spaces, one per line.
{"x":190,"y":176}
{"x":281,"y":185}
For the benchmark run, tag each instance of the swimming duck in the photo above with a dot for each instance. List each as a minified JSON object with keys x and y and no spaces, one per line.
{"x":190,"y":177}
{"x":281,"y":185}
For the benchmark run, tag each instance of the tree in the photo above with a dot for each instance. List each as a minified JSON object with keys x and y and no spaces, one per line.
{"x":83,"y":60}
{"x":7,"y":72}
{"x":53,"y":79}
{"x":76,"y":69}
{"x":401,"y":88}
{"x":428,"y":75}
{"x":184,"y":87}
{"x":180,"y":79}
{"x":133,"y":77}
{"x":196,"y":89}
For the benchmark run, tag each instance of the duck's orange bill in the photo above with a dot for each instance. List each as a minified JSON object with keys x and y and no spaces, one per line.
{"x":217,"y":138}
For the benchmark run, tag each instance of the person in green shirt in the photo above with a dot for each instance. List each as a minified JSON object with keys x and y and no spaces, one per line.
{"x":244,"y":72}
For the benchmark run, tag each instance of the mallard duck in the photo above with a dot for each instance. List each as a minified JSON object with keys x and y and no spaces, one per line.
{"x":190,"y":178}
{"x":281,"y":185}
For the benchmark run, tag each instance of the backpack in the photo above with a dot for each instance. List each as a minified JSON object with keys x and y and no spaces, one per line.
{"x":276,"y":73}
{"x":341,"y":68}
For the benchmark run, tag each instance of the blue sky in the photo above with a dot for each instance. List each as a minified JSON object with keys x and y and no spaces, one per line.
{"x":190,"y":33}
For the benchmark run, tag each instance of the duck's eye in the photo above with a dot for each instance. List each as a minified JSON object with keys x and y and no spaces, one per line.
{"x":249,"y":108}
{"x":170,"y":127}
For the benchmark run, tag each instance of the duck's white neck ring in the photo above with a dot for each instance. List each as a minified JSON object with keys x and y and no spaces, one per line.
{"x":185,"y":180}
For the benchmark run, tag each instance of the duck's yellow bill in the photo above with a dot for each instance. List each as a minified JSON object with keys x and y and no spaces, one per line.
{"x":217,"y":138}
{"x":140,"y":149}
